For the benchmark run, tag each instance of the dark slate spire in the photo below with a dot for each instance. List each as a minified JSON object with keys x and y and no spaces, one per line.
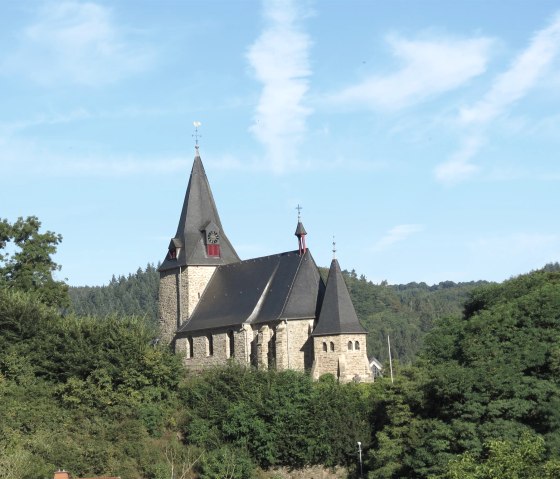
{"x":337,"y":312}
{"x":198,"y":214}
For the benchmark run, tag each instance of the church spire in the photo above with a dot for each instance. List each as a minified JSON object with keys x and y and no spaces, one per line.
{"x":200,"y":239}
{"x":337,"y":315}
{"x":300,"y":233}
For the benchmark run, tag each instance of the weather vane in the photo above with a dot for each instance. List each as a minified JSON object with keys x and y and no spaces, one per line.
{"x":333,"y":248}
{"x":196,"y":134}
{"x":299,"y":208}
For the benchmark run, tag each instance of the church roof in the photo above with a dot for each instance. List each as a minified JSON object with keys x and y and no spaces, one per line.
{"x":199,"y":210}
{"x":338,"y":315}
{"x":281,"y":286}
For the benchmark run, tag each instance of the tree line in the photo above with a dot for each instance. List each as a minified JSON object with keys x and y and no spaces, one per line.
{"x":97,"y":395}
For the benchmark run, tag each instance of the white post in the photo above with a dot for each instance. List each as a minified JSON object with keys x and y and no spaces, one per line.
{"x":360,"y":453}
{"x":390,"y":359}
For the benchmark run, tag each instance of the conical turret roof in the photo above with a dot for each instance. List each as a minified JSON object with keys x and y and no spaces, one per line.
{"x":338,"y":315}
{"x":199,"y":211}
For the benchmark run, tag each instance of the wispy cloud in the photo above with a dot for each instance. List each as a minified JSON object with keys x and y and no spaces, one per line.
{"x":459,"y":167}
{"x":397,"y":234}
{"x":76,"y":43}
{"x":512,"y":85}
{"x":506,"y":89}
{"x":428,"y":68}
{"x":280,"y":61}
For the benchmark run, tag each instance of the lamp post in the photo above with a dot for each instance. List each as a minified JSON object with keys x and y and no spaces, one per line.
{"x":360,"y":456}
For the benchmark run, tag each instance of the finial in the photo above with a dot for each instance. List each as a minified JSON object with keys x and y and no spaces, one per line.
{"x":333,"y":248}
{"x":299,"y":208}
{"x":196,"y":134}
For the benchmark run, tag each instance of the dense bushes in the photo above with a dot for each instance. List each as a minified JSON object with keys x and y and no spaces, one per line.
{"x":280,"y":418}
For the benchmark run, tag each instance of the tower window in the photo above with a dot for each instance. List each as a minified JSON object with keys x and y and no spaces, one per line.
{"x":332,"y":346}
{"x":357,"y":346}
{"x":213,"y":250}
{"x":230,"y":344}
{"x":325,"y":347}
{"x":172,"y":254}
{"x":209,"y":345}
{"x":350,"y":346}
{"x":190,"y":352}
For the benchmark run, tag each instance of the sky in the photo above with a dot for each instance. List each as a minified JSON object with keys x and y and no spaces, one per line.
{"x":420,"y":136}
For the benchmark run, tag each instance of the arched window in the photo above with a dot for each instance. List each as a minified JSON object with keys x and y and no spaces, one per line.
{"x":230,"y":345}
{"x":332,"y":346}
{"x":209,"y":345}
{"x":190,"y":352}
{"x":357,"y":346}
{"x":350,"y":346}
{"x":324,"y":346}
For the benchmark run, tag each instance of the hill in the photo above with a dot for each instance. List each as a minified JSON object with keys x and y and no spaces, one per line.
{"x":406,"y":312}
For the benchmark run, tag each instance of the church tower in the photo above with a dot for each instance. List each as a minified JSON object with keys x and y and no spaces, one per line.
{"x":198,"y":247}
{"x":339,"y":340}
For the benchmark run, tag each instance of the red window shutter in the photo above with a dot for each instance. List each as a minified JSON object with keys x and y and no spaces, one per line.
{"x":213,"y":250}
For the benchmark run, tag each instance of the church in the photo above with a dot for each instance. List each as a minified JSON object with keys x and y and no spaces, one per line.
{"x":270,"y":312}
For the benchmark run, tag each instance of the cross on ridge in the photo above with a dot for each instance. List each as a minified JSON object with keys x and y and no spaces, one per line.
{"x":196,"y":135}
{"x":299,"y":208}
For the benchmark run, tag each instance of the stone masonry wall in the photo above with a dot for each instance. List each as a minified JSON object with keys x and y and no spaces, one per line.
{"x":294,"y":345}
{"x":344,"y":363}
{"x":197,"y":278}
{"x":168,"y":311}
{"x":186,"y":290}
{"x":221,"y":352}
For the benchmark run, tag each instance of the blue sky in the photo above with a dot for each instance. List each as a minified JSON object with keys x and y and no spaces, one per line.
{"x":422,"y":135}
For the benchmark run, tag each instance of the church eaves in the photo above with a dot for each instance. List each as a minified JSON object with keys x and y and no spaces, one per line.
{"x":338,"y":315}
{"x":199,"y":211}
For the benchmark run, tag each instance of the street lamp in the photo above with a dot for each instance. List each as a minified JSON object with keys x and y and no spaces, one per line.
{"x":360,"y":455}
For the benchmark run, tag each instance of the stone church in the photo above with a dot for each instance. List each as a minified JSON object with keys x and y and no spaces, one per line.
{"x":269,"y":312}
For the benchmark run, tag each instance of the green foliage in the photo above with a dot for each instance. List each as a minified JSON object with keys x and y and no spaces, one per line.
{"x":86,"y":394}
{"x":503,"y":459}
{"x":134,"y":295}
{"x":280,"y":418}
{"x":406,"y":313}
{"x":226,"y":463}
{"x":26,"y":260}
{"x":485,"y":380}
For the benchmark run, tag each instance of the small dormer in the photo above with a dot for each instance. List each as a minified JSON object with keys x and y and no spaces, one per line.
{"x":175,"y":246}
{"x":212,"y":239}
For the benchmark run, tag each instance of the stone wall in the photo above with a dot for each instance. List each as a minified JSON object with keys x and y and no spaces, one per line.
{"x":294,"y":345}
{"x":178,"y":296}
{"x":333,"y":355}
{"x":196,"y":278}
{"x":168,"y":301}
{"x":217,"y":351}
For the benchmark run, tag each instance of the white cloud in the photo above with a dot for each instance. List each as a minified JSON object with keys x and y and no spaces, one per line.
{"x":76,"y":43}
{"x":429,"y":67}
{"x":459,"y":167}
{"x":397,"y":234}
{"x":518,"y":80}
{"x":280,"y":61}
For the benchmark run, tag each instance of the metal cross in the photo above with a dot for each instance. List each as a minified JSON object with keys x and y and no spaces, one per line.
{"x":196,"y":134}
{"x":299,"y":208}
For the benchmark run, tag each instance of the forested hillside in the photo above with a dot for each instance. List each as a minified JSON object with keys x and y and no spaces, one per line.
{"x":132,"y":295}
{"x":405,"y":312}
{"x":97,"y":395}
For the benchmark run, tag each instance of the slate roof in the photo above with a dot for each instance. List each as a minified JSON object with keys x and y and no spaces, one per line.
{"x":338,"y":315}
{"x":281,"y":286}
{"x":199,"y":210}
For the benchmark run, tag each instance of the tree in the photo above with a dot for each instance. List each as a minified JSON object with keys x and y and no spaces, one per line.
{"x":30,"y":266}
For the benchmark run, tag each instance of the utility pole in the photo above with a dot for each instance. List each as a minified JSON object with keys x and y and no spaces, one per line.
{"x":360,"y":456}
